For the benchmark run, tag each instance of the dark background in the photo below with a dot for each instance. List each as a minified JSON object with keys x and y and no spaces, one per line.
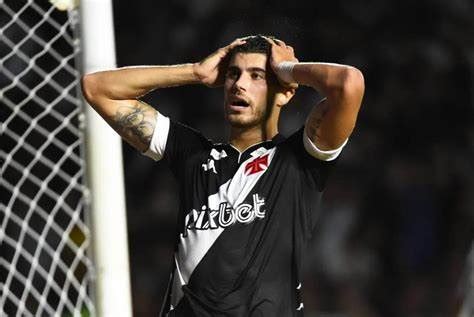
{"x":399,"y":209}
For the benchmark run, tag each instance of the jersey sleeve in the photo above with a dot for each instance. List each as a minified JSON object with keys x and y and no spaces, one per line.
{"x":159,"y":138}
{"x":314,"y":164}
{"x":175,"y":143}
{"x":322,"y":155}
{"x":313,"y":167}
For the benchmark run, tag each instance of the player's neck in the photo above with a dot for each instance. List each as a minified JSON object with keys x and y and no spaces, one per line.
{"x":243,"y":138}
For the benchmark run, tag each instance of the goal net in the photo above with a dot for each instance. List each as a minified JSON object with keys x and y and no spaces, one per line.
{"x":45,"y":263}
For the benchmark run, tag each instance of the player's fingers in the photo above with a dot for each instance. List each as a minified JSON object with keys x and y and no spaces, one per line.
{"x":293,"y":85}
{"x":235,"y":43}
{"x":279,"y":42}
{"x":269,"y":40}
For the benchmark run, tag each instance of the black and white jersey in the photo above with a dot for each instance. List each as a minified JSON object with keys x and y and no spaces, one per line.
{"x":244,"y":221}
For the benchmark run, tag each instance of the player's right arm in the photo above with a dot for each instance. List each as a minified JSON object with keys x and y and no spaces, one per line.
{"x":114,"y":93}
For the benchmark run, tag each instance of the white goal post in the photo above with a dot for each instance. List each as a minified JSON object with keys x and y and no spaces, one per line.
{"x":467,"y":307}
{"x":63,"y":241}
{"x":104,"y":149}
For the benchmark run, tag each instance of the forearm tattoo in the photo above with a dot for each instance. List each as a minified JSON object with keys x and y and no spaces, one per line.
{"x":136,"y":124}
{"x":316,"y":118}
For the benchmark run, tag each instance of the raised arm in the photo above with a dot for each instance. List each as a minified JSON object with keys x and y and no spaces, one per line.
{"x":330,"y":122}
{"x":114,"y":93}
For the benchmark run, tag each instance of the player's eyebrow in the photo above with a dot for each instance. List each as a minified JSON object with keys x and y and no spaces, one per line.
{"x":256,"y":69}
{"x":233,"y":68}
{"x":251,"y":69}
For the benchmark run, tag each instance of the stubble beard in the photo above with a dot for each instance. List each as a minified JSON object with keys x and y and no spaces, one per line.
{"x":256,"y":118}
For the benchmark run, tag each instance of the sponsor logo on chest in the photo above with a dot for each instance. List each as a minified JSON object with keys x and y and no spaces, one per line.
{"x":225,"y":215}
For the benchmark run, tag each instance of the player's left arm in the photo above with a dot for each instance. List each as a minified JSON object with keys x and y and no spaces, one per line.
{"x":330,"y":122}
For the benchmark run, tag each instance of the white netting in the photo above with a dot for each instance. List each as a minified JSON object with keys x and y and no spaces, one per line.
{"x":44,"y":240}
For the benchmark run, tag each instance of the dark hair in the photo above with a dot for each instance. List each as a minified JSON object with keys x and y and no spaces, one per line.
{"x":256,"y":44}
{"x":253,"y":44}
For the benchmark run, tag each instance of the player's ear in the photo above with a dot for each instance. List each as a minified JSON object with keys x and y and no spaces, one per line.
{"x":284,"y":95}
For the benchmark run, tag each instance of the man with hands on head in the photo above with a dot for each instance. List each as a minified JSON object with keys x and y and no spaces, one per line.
{"x":247,"y":207}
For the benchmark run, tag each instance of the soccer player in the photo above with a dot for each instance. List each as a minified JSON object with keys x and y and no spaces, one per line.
{"x":247,"y":207}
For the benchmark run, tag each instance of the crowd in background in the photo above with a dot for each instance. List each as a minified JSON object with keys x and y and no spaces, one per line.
{"x":399,"y":208}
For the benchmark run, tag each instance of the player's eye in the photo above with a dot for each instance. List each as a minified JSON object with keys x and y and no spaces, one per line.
{"x":232,"y":73}
{"x":257,"y":76}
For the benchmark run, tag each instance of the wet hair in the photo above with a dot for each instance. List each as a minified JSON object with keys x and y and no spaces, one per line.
{"x":253,"y":44}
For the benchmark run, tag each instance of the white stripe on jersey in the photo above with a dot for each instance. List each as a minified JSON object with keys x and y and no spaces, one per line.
{"x":196,"y":243}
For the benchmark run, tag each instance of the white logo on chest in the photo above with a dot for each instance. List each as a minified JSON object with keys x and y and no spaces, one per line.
{"x":226,"y":215}
{"x":210,"y":164}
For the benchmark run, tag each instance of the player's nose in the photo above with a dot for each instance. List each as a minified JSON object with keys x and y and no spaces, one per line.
{"x":242,"y":82}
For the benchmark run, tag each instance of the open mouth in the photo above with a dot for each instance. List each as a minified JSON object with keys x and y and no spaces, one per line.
{"x":239,"y":103}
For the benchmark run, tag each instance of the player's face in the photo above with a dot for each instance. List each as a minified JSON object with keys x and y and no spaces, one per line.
{"x":246,"y":90}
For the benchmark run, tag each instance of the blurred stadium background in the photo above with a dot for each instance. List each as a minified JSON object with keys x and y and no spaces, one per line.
{"x":400,"y":205}
{"x":399,"y":217}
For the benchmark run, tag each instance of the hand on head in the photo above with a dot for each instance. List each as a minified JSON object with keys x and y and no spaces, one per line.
{"x":211,"y":70}
{"x":280,"y":52}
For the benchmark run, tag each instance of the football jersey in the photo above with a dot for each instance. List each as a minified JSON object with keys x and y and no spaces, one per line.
{"x":244,"y":220}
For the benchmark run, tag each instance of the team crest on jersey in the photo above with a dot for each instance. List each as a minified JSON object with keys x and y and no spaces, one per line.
{"x":225,"y":216}
{"x":257,"y":165}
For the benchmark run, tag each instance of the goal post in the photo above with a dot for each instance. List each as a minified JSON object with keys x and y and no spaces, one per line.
{"x":104,"y":153}
{"x":467,"y":286}
{"x":63,"y":237}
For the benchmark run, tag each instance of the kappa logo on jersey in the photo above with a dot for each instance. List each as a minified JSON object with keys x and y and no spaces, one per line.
{"x":224,"y":216}
{"x":210,"y":164}
{"x":257,"y":165}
